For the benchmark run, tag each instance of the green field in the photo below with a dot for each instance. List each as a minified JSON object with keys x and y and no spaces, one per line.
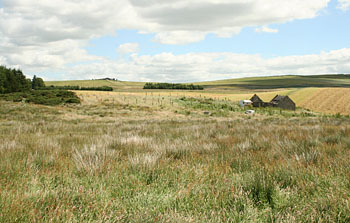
{"x":254,"y":83}
{"x":282,"y":82}
{"x":117,"y":85}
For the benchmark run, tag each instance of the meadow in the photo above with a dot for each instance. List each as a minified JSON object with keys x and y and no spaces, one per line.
{"x":155,"y":156}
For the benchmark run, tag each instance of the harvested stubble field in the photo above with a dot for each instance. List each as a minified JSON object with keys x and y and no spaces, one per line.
{"x":328,"y":100}
{"x":128,"y":157}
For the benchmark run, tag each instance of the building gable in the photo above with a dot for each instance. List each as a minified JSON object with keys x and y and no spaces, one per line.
{"x":278,"y":101}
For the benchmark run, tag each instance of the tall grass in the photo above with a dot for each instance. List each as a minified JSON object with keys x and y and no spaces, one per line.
{"x":69,"y":164}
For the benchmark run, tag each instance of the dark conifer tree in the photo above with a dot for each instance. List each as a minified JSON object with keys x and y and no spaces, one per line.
{"x":13,"y":80}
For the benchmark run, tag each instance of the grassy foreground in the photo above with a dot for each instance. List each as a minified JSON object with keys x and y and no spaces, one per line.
{"x":123,"y":159}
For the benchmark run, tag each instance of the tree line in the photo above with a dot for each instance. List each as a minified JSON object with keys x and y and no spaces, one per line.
{"x":172,"y":86}
{"x":13,"y":80}
{"x":77,"y":88}
{"x":14,"y":86}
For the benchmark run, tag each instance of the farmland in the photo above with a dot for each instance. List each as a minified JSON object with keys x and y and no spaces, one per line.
{"x":251,"y":83}
{"x":304,"y":90}
{"x":136,"y":155}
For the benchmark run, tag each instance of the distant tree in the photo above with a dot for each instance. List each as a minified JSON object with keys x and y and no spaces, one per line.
{"x":12,"y":80}
{"x":2,"y":80}
{"x":37,"y":82}
{"x":34,"y":82}
{"x":40,"y":82}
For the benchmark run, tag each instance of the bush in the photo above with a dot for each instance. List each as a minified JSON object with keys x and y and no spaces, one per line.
{"x":209,"y":104}
{"x":73,"y":100}
{"x":44,"y":97}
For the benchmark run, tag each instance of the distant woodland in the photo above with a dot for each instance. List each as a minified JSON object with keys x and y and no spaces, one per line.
{"x":13,"y":80}
{"x":77,"y":88}
{"x":14,"y":86}
{"x":172,"y":86}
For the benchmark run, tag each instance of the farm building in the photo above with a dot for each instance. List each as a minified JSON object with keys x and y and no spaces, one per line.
{"x":257,"y":102}
{"x":282,"y":102}
{"x":278,"y":101}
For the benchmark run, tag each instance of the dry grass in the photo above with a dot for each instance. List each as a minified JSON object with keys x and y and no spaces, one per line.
{"x":108,"y":160}
{"x":167,"y":98}
{"x":324,"y":100}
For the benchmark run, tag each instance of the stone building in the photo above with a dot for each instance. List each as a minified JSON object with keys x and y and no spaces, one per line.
{"x":283,"y":102}
{"x":278,"y":101}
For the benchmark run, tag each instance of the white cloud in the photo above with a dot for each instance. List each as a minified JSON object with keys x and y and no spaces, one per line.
{"x":344,"y":5}
{"x":47,"y":35}
{"x":28,"y":22}
{"x":128,"y":48}
{"x":266,"y":29}
{"x":212,"y":66}
{"x":179,"y":37}
{"x":222,"y":17}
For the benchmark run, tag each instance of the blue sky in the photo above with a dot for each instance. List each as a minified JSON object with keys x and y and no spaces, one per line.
{"x":177,"y":40}
{"x":310,"y":36}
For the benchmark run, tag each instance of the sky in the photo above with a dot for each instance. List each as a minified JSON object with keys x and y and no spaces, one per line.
{"x":174,"y":40}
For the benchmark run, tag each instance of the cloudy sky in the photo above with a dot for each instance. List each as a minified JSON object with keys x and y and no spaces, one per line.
{"x":174,"y":40}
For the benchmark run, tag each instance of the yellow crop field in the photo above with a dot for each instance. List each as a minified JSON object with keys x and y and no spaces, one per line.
{"x":146,"y":97}
{"x":300,"y":96}
{"x":324,"y":100}
{"x":327,"y":100}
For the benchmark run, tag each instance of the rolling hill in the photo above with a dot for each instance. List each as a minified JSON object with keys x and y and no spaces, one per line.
{"x":116,"y":85}
{"x":289,"y":81}
{"x":252,"y":83}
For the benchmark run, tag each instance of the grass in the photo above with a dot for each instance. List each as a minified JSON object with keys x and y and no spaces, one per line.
{"x":131,"y":157}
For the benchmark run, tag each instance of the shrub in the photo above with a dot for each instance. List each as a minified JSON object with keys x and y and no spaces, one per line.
{"x":44,"y":97}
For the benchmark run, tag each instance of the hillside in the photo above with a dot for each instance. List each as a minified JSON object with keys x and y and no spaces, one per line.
{"x":325,"y":100}
{"x":252,"y":83}
{"x":117,"y":85}
{"x":274,"y":82}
